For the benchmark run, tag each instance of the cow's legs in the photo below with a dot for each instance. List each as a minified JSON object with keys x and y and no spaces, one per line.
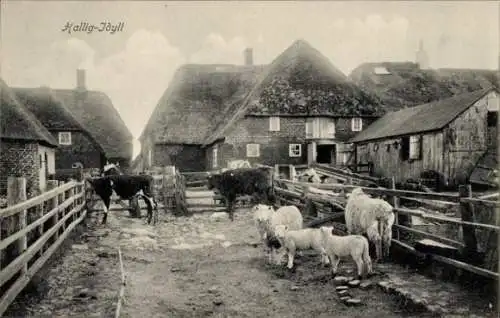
{"x":150,"y":204}
{"x":106,"y":209}
{"x":230,"y":206}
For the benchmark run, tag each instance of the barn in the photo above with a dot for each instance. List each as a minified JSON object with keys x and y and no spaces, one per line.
{"x":302,"y":110}
{"x":28,"y":149}
{"x":96,"y":113}
{"x":447,"y":136}
{"x":195,"y":102}
{"x":77,"y":147}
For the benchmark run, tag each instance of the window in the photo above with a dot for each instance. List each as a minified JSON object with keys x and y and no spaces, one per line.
{"x":295,"y":150}
{"x":330,"y":129}
{"x":356,"y":124}
{"x":274,"y":124}
{"x":214,"y":157}
{"x":253,"y":150}
{"x":309,"y":128}
{"x":411,"y":148}
{"x":492,"y":118}
{"x":65,"y":138}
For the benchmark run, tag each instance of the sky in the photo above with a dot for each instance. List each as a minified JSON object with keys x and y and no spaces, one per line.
{"x":134,"y":65}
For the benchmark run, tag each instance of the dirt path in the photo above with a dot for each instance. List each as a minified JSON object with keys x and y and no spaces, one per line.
{"x":202,"y":266}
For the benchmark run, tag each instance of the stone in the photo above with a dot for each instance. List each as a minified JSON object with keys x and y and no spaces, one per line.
{"x":349,"y":278}
{"x":343,"y":293}
{"x":218,"y":302}
{"x":339,"y":288}
{"x":340,"y":280}
{"x":80,"y":247}
{"x":294,"y":287}
{"x":365,"y":285}
{"x":226,"y":244}
{"x":213,"y":289}
{"x":384,"y":285}
{"x":345,"y":298}
{"x":353,"y":302}
{"x":354,"y":283}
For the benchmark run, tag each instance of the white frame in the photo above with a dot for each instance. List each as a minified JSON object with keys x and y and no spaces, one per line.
{"x":414,"y":151}
{"x":291,"y":151}
{"x":312,"y":127}
{"x":355,"y":122}
{"x":274,"y":123}
{"x":61,"y":138}
{"x":253,"y":150}
{"x":150,"y":157}
{"x":215,"y":156}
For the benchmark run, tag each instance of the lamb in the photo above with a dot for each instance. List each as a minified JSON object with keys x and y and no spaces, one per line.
{"x":337,"y":247}
{"x":373,"y":217}
{"x":302,"y":239}
{"x":266,"y":220}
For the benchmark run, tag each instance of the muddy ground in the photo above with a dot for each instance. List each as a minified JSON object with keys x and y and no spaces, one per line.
{"x":202,"y":266}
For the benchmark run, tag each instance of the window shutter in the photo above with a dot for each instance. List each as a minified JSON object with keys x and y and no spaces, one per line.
{"x":420,"y":147}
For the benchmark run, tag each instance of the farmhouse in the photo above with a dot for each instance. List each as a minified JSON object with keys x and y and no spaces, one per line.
{"x":447,"y":136}
{"x":298,"y":109}
{"x":27,"y":147}
{"x":96,"y":113}
{"x":77,"y":147}
{"x":197,"y":99}
{"x":405,"y":84}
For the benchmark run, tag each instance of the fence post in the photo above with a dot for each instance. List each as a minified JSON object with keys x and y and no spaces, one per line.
{"x":467,"y":214}
{"x":53,"y":184}
{"x":63,"y":211}
{"x":16,"y":193}
{"x":395,"y":204}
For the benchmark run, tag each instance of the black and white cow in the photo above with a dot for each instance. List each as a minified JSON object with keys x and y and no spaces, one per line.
{"x":242,"y":181}
{"x":126,"y":187}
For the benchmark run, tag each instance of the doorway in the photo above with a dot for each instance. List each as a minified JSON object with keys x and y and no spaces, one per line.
{"x":326,"y":154}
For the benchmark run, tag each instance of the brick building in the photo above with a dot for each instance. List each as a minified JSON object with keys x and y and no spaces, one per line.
{"x":96,"y":113}
{"x":298,"y":109}
{"x":27,"y":148}
{"x":77,"y":147}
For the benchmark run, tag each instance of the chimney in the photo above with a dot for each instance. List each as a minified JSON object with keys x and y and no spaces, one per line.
{"x":80,"y":79}
{"x":248,"y":53}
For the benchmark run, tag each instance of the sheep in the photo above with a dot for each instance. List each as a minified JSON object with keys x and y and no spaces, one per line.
{"x":337,"y":247}
{"x":370,"y":216}
{"x":302,"y":239}
{"x":266,"y":220}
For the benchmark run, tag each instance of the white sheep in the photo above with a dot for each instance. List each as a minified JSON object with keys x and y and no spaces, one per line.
{"x":303,"y":239}
{"x":370,"y":216}
{"x":266,"y":220}
{"x":338,"y":247}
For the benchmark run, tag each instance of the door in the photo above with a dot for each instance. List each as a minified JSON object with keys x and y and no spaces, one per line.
{"x":311,"y":152}
{"x":326,"y":154}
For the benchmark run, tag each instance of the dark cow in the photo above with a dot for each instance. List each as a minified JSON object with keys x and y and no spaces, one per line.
{"x":126,"y":187}
{"x":242,"y":181}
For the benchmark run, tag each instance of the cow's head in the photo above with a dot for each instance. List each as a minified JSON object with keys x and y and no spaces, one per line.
{"x":111,"y":169}
{"x":213,"y":181}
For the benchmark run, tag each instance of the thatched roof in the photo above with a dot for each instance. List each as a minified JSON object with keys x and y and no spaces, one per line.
{"x":302,"y":82}
{"x":428,"y":117}
{"x":197,"y":99}
{"x":98,"y":116}
{"x":50,"y":111}
{"x":404,"y":84}
{"x":18,"y":123}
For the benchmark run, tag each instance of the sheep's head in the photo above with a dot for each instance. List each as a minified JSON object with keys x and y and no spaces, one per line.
{"x":326,"y":231}
{"x":280,"y":230}
{"x":262,"y":212}
{"x":355,"y":192}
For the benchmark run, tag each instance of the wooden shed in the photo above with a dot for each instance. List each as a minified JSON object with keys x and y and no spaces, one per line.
{"x":448,"y":136}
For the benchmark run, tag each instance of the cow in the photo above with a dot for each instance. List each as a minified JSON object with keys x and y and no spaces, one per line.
{"x":242,"y":181}
{"x":126,"y":187}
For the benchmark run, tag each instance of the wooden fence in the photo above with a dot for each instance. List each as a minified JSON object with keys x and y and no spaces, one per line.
{"x":475,"y":218}
{"x":170,"y":188}
{"x":32,"y":230}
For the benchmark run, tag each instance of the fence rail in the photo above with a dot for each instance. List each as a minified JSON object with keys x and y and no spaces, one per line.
{"x":35,"y":229}
{"x":299,"y":193}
